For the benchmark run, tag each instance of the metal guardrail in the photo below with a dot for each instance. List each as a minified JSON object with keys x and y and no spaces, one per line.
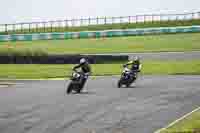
{"x":62,"y":25}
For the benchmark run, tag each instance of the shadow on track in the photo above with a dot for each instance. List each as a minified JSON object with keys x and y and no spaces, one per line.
{"x":82,"y":93}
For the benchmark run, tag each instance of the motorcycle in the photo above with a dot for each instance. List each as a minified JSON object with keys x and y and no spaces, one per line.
{"x":127,"y":77}
{"x":77,"y":82}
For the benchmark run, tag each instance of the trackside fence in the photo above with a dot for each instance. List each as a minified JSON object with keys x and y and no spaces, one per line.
{"x":63,"y":25}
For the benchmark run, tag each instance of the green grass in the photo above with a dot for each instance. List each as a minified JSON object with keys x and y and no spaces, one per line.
{"x":110,"y":26}
{"x":190,"y":124}
{"x":12,"y":71}
{"x":151,"y":43}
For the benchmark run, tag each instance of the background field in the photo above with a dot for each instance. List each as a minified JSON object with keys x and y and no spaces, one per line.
{"x":151,"y":43}
{"x":14,"y":71}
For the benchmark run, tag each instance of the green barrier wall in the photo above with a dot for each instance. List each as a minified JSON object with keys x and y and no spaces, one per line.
{"x":98,"y":34}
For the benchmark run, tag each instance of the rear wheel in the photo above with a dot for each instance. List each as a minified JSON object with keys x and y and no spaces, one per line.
{"x":79,"y":88}
{"x":81,"y":85}
{"x":127,"y":85}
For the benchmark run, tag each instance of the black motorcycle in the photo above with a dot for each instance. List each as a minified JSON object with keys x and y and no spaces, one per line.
{"x":77,"y":82}
{"x":127,"y":77}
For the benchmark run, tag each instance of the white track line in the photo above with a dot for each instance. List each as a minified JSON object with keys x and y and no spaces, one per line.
{"x":3,"y":86}
{"x":10,"y":83}
{"x":171,"y":124}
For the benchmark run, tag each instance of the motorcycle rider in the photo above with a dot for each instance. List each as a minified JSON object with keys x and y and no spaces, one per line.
{"x":135,"y":64}
{"x":85,"y":69}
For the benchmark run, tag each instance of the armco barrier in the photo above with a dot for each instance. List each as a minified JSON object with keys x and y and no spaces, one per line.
{"x":98,"y":34}
{"x":62,"y":59}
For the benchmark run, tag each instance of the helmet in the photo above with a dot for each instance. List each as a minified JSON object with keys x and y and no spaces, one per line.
{"x":136,"y":58}
{"x":82,"y":60}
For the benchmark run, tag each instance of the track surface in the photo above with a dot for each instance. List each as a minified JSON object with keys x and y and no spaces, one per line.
{"x":42,"y":106}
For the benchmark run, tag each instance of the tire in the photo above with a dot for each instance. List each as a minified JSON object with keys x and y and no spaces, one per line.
{"x":127,"y":85}
{"x":69,"y":88}
{"x":81,"y":86}
{"x":78,"y":88}
{"x":119,"y":84}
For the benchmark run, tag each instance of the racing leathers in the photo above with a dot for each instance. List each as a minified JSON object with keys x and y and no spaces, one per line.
{"x":85,"y":70}
{"x":135,"y":66}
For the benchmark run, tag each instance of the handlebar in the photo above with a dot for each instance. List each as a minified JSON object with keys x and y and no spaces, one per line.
{"x":125,"y":65}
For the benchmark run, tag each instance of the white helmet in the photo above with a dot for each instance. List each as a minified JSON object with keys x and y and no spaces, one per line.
{"x":136,"y":58}
{"x":82,"y":60}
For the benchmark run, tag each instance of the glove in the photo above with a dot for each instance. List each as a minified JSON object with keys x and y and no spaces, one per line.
{"x":87,"y":74}
{"x":124,"y":65}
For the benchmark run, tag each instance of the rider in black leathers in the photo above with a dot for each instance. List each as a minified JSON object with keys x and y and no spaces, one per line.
{"x":85,"y":69}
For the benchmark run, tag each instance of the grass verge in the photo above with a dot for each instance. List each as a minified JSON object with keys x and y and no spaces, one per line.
{"x":32,"y":71}
{"x":150,"y":43}
{"x":190,"y":124}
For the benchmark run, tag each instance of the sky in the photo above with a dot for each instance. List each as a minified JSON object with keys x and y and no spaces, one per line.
{"x":12,"y":11}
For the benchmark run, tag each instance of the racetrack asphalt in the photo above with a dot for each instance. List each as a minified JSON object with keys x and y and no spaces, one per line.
{"x":150,"y":104}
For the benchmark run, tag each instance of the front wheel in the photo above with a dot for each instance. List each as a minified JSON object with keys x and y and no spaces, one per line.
{"x":69,"y":88}
{"x":119,"y":84}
